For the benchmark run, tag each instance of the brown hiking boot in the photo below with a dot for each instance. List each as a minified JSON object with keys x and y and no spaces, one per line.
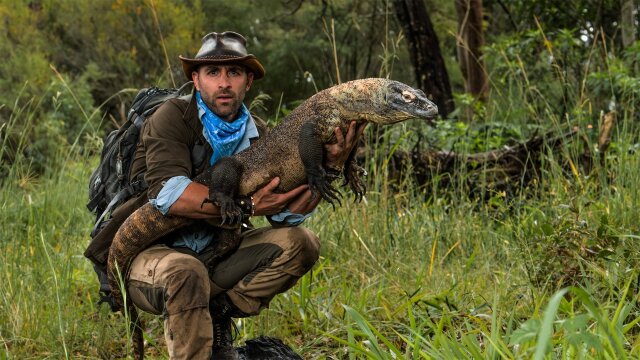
{"x":221,"y":310}
{"x":223,"y":341}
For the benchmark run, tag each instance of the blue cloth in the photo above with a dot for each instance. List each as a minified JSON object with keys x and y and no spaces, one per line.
{"x":289,"y":218}
{"x":223,"y":136}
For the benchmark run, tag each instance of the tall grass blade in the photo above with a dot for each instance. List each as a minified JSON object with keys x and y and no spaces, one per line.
{"x":546,"y":328}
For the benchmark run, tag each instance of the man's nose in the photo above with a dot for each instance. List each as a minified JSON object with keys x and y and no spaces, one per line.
{"x":224,"y":80}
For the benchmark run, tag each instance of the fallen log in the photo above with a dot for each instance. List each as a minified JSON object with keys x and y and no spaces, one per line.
{"x":507,"y":170}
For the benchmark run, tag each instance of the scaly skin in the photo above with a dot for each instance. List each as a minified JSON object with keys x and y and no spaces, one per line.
{"x":291,"y":151}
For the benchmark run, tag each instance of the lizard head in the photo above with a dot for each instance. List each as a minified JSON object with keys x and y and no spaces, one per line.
{"x":378,"y":100}
{"x":406,"y":102}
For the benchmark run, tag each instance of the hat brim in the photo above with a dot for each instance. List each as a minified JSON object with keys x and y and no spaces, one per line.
{"x":250,"y":61}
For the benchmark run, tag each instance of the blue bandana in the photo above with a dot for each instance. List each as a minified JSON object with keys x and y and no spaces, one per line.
{"x":223,"y":136}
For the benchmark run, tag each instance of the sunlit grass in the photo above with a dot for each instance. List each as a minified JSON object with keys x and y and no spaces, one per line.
{"x":401,"y":275}
{"x":415,"y":273}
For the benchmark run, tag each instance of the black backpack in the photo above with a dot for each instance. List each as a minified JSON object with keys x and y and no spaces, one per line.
{"x":109,"y":184}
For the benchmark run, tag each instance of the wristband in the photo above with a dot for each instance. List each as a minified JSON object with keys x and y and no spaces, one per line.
{"x":247,"y":205}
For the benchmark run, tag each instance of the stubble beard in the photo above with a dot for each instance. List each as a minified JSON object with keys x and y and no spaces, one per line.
{"x":227,"y":112}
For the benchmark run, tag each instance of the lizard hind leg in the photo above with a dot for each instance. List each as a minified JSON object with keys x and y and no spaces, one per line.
{"x":311,"y":151}
{"x":353,"y":176}
{"x":223,"y":189}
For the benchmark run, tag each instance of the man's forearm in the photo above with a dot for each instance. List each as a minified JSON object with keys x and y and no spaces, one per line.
{"x":189,"y":204}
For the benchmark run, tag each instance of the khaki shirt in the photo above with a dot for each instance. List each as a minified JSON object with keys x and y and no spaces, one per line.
{"x":164,"y":150}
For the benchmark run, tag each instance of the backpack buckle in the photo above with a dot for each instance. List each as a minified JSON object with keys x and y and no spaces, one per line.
{"x":119,"y":167}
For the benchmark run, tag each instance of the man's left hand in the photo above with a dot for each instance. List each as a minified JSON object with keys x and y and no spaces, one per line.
{"x":338,"y":153}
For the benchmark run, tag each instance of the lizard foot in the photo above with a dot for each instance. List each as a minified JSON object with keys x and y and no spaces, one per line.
{"x":230,"y":213}
{"x":320,"y":185}
{"x":353,"y":175}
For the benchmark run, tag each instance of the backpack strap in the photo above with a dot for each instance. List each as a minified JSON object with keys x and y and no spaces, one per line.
{"x":95,"y":201}
{"x":125,"y":193}
{"x":134,"y":187}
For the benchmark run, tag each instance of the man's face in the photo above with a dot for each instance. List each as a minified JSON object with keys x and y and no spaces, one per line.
{"x":223,"y":88}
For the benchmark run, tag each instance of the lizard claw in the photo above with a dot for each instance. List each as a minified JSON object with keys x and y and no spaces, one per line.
{"x":353,"y":176}
{"x":230,"y":213}
{"x":320,"y":186}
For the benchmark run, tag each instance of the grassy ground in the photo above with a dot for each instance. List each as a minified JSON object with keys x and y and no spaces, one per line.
{"x":549,"y":274}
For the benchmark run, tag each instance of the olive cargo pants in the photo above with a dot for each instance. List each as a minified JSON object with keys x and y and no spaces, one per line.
{"x":164,"y":281}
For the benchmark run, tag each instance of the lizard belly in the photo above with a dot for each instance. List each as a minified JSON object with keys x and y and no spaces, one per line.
{"x":262,"y":169}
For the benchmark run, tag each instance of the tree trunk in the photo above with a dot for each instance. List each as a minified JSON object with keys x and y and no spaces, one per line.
{"x":470,"y":41}
{"x":628,"y":28}
{"x":627,"y":23}
{"x":424,"y":49}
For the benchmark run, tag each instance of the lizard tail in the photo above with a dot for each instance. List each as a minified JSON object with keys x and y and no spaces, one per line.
{"x":141,"y":229}
{"x":136,"y":333}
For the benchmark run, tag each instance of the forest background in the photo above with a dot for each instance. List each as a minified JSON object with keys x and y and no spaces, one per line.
{"x":545,"y":266}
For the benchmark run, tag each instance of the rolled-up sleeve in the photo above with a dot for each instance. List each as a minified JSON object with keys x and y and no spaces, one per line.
{"x":170,"y":192}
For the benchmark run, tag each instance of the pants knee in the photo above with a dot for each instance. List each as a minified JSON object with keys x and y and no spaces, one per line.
{"x":187,"y":287}
{"x":306,"y":248}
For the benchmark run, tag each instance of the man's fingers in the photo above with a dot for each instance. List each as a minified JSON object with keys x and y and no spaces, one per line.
{"x":339,"y":136}
{"x":272,"y":184}
{"x":295,"y":192}
{"x":361,"y":128}
{"x":355,"y":130}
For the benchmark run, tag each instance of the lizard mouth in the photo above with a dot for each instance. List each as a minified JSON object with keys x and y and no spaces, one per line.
{"x":422,"y":109}
{"x":429,"y":111}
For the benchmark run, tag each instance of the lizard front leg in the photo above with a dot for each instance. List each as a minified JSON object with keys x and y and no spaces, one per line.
{"x":224,"y":181}
{"x":311,"y":149}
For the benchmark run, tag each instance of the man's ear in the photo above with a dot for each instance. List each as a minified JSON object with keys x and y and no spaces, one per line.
{"x":194,"y":77}
{"x":249,"y":80}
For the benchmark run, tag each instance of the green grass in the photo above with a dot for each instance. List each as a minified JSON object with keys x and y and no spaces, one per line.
{"x":399,"y":276}
{"x":407,"y":273}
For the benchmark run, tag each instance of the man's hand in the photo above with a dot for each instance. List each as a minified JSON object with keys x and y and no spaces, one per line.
{"x":268,"y":202}
{"x":304,"y":203}
{"x":338,"y":153}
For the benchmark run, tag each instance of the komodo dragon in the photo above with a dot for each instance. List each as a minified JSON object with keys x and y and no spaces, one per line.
{"x":292,"y":151}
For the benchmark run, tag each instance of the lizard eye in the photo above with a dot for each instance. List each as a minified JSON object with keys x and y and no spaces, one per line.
{"x":408,"y":96}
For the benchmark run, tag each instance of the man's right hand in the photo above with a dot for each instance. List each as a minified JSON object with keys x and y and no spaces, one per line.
{"x":268,"y":202}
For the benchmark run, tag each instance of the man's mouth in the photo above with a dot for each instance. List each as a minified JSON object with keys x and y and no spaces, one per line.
{"x":224,"y":98}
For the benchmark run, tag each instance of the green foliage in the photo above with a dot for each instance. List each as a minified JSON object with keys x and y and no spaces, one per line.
{"x":463,"y":137}
{"x":123,"y":40}
{"x":448,"y":278}
{"x":618,"y":81}
{"x":586,"y":16}
{"x":558,"y":64}
{"x":549,"y":274}
{"x":25,"y":64}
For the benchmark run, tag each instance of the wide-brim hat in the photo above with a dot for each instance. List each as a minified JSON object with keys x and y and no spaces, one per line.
{"x":219,"y":48}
